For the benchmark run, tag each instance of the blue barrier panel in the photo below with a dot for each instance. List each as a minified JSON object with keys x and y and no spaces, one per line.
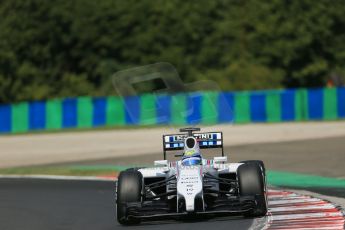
{"x":69,"y":113}
{"x":132,"y":110}
{"x":163,"y":113}
{"x":99,"y":111}
{"x":315,"y":104}
{"x":37,"y":115}
{"x":194,"y":108}
{"x":226,"y":107}
{"x":288,"y":105}
{"x":258,"y":107}
{"x":5,"y":118}
{"x":341,"y":102}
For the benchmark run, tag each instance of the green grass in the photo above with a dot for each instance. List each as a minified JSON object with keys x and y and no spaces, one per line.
{"x":302,"y":180}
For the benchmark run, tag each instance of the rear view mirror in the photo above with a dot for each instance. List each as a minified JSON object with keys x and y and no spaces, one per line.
{"x":220,"y":159}
{"x":162,"y":163}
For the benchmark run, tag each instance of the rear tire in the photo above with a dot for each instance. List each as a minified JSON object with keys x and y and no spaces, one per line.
{"x":129,"y":189}
{"x":252,"y":183}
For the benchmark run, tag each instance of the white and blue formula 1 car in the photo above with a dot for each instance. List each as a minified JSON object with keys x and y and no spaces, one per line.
{"x":192,"y":186}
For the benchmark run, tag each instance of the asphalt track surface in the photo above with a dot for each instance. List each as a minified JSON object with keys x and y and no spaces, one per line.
{"x":57,"y":204}
{"x":35,"y":204}
{"x":323,"y":157}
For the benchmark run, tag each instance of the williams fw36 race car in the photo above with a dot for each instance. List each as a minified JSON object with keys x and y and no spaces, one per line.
{"x":191,"y":187}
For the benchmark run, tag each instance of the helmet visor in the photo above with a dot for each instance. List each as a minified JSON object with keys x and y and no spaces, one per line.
{"x":191,"y":161}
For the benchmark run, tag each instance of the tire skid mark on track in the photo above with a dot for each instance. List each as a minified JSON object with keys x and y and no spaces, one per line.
{"x":288,"y":210}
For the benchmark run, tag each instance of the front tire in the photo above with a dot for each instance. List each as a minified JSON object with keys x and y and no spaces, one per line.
{"x":259,"y":162}
{"x":129,"y":189}
{"x":252,"y":183}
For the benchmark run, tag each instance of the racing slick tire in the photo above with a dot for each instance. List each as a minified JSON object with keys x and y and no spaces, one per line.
{"x":259,"y":162}
{"x":252,"y":183}
{"x":129,"y":189}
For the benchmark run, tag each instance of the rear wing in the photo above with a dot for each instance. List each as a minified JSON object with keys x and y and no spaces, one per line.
{"x":206,"y":141}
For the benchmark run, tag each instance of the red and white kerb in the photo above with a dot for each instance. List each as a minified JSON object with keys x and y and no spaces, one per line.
{"x":288,"y":210}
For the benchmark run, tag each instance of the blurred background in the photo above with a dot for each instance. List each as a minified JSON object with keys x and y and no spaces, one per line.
{"x":55,"y":49}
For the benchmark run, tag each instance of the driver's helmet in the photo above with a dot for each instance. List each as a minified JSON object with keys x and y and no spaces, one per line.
{"x":191,"y":155}
{"x":192,"y":161}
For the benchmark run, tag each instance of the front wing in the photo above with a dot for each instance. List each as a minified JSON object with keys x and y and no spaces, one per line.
{"x":157,"y":210}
